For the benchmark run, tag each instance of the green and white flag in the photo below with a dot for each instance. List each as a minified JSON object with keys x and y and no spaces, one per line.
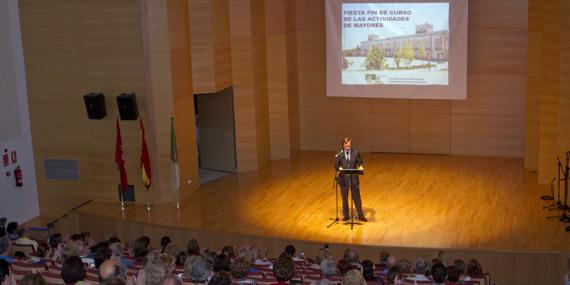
{"x":174,"y":172}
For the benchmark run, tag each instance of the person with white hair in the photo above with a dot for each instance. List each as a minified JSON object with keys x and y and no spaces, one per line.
{"x":421,"y":268}
{"x":5,"y":250}
{"x":328,"y":270}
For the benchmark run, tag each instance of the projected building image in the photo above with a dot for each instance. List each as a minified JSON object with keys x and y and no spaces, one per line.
{"x":420,"y":58}
{"x":435,"y":43}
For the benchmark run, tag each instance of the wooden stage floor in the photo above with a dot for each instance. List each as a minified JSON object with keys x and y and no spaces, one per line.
{"x":425,"y":201}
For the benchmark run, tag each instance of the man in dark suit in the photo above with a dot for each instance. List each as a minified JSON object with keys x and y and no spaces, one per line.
{"x":347,"y":159}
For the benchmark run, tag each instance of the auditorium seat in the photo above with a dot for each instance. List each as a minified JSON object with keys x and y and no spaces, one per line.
{"x":28,"y":267}
{"x":27,"y":249}
{"x":52,"y":278}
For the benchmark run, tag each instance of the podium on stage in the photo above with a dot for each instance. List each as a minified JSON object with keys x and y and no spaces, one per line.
{"x":358,"y":171}
{"x":345,"y":171}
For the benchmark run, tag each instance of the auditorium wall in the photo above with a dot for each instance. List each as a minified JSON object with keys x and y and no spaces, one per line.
{"x":16,"y":203}
{"x":72,"y":48}
{"x":548,"y":118}
{"x":491,"y":122}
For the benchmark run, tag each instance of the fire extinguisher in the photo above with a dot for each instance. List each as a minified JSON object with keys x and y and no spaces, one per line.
{"x":18,"y":177}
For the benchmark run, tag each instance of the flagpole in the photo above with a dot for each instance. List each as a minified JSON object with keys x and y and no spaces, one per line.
{"x":174,"y":171}
{"x":148,"y":199}
{"x":120,"y":163}
{"x":145,"y":166}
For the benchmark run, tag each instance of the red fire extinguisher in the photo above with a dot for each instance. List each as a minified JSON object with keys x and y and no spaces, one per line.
{"x":18,"y":177}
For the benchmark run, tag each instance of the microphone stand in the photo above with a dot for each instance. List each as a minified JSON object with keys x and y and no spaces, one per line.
{"x":549,"y":197}
{"x":564,"y":207}
{"x":335,"y":186}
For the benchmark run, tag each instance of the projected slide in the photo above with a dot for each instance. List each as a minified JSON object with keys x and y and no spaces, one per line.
{"x":401,"y":49}
{"x":395,"y":43}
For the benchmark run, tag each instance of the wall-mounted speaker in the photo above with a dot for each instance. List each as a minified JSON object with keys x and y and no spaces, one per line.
{"x":95,"y":106}
{"x":127,"y":104}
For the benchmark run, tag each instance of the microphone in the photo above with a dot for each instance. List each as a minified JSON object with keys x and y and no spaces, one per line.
{"x":339,"y":153}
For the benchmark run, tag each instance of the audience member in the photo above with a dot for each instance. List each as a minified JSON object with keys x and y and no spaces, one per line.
{"x":421,"y":268}
{"x":171,"y":280}
{"x":239,"y":270}
{"x":351,"y":255}
{"x":393,"y":275}
{"x":168,"y":262}
{"x":442,"y":257}
{"x":220,"y":278}
{"x":189,"y":264}
{"x":192,"y":247}
{"x":405,"y":265}
{"x":328,"y":270}
{"x":474,"y":268}
{"x":368,"y":270}
{"x":290,"y":250}
{"x":322,"y":254}
{"x":24,"y":239}
{"x":452,"y":274}
{"x":222,"y":263}
{"x":101,"y":255}
{"x":5,"y":250}
{"x":141,"y":247}
{"x":164,"y":241}
{"x":73,"y":271}
{"x":181,"y":258}
{"x":353,"y":277}
{"x":6,"y":276}
{"x":229,"y":251}
{"x":210,"y":257}
{"x":153,"y":274}
{"x":384,"y":258}
{"x":32,"y":279}
{"x":172,"y":248}
{"x":460,"y":266}
{"x":200,"y":272}
{"x":439,"y":273}
{"x":109,"y":270}
{"x":345,"y":265}
{"x":12,"y":229}
{"x":283,"y":270}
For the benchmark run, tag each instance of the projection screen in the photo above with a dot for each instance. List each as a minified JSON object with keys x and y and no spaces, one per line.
{"x":397,"y":49}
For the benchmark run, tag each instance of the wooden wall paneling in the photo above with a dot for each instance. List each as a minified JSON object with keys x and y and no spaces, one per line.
{"x":222,"y":49}
{"x":292,"y":80}
{"x":182,"y":97}
{"x":430,"y":126}
{"x":247,"y":27}
{"x":210,"y":34}
{"x":534,"y":82}
{"x":550,"y":91}
{"x":277,"y":78}
{"x":73,"y":48}
{"x":201,"y":15}
{"x":260,"y":81}
{"x":496,"y":84}
{"x":563,"y":137}
{"x":390,"y":125}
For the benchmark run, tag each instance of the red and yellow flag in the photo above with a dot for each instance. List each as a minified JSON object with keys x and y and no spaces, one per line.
{"x":145,"y":160}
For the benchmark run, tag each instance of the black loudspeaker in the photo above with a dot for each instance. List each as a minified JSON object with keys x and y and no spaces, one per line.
{"x":95,"y":105}
{"x":128,"y":106}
